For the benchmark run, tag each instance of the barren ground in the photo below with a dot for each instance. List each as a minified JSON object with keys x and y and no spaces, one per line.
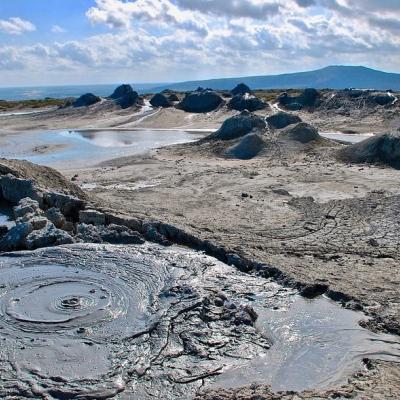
{"x":315,"y":219}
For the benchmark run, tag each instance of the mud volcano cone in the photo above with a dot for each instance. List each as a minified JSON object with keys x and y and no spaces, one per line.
{"x":201,"y":101}
{"x":246,"y":102}
{"x":160,"y":100}
{"x":125,"y":96}
{"x":86,"y":100}
{"x":282,"y":119}
{"x":241,"y":88}
{"x":384,"y":149}
{"x":302,"y":132}
{"x":248,"y":147}
{"x":238,"y":126}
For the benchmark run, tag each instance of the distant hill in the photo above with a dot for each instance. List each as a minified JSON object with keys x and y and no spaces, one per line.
{"x":333,"y":77}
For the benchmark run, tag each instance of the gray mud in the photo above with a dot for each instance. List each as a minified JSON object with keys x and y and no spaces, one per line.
{"x":139,"y":322}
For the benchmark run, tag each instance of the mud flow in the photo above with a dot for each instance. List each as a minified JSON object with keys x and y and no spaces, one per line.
{"x":138,"y":322}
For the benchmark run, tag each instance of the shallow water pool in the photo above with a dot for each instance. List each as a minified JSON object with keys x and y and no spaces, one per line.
{"x":63,"y":149}
{"x":346,"y":137}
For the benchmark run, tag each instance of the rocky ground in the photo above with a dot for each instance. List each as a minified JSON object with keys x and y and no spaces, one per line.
{"x":314,"y":220}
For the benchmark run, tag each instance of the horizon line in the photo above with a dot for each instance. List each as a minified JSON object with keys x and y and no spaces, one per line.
{"x":159,"y":84}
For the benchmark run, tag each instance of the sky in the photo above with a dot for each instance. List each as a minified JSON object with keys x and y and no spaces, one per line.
{"x":61,"y":42}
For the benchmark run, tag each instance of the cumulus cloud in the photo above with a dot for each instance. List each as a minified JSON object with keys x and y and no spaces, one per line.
{"x":16,"y":26}
{"x":163,"y":13}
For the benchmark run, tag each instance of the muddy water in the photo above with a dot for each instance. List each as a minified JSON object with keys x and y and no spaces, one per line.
{"x":87,"y":148}
{"x":140,"y":322}
{"x":65,"y":317}
{"x":315,"y":344}
{"x":346,"y":137}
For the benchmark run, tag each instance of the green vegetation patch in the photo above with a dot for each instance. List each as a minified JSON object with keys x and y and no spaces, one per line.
{"x":6,"y":105}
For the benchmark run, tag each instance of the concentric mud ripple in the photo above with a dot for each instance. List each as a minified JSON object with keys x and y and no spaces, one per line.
{"x":53,"y":298}
{"x":68,"y":318}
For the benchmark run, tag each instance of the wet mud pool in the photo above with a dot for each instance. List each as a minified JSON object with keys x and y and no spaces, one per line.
{"x":138,"y":322}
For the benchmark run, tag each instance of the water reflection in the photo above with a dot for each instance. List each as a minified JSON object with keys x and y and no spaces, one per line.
{"x":316,"y":344}
{"x":346,"y":137}
{"x":87,"y":148}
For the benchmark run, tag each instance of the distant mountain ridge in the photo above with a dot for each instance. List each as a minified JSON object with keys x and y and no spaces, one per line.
{"x":333,"y":77}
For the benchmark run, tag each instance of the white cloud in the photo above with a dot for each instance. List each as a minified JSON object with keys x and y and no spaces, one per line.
{"x":161,"y":13}
{"x":57,"y":29}
{"x":16,"y":26}
{"x":155,"y":40}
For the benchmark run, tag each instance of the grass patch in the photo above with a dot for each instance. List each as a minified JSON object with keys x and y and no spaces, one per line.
{"x":6,"y":105}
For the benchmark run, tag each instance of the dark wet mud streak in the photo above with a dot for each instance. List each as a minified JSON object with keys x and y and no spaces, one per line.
{"x":143,"y":322}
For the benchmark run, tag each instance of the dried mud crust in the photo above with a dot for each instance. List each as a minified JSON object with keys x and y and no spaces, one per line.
{"x":44,"y":177}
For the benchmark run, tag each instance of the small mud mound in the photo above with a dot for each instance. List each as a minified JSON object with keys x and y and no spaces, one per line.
{"x":308,"y":98}
{"x":121,"y":91}
{"x":238,"y":126}
{"x":246,"y":102}
{"x":125,"y":96}
{"x":241,"y":89}
{"x":282,"y":119}
{"x":173,"y":97}
{"x":302,"y":132}
{"x":160,"y":100}
{"x":86,"y":100}
{"x":383,"y":149}
{"x":383,"y":99}
{"x":170,"y":95}
{"x":249,"y":147}
{"x":201,"y":101}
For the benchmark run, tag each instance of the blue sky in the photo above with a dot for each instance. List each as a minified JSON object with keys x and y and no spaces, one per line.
{"x":44,"y":14}
{"x":50,"y":42}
